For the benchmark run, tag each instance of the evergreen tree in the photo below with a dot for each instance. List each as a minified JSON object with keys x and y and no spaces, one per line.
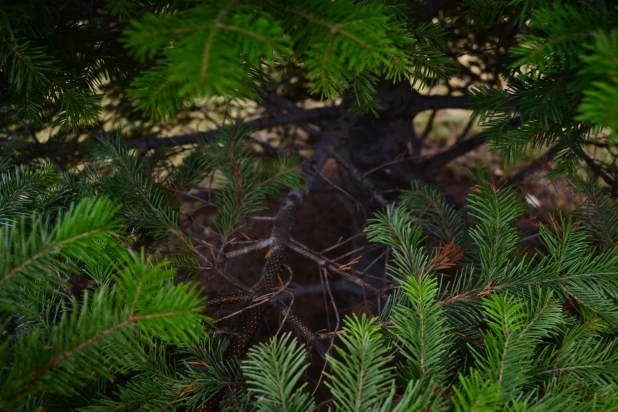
{"x":99,"y":304}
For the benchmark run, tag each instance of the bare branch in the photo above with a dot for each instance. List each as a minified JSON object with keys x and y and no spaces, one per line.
{"x":280,"y":234}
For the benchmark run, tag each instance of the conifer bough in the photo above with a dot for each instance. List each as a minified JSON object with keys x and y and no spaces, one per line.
{"x":99,"y":240}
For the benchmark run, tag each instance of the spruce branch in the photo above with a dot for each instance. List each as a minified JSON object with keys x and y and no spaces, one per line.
{"x":28,"y":251}
{"x":106,"y":332}
{"x":422,"y":334}
{"x":360,"y":376}
{"x":22,"y":190}
{"x":273,"y":371}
